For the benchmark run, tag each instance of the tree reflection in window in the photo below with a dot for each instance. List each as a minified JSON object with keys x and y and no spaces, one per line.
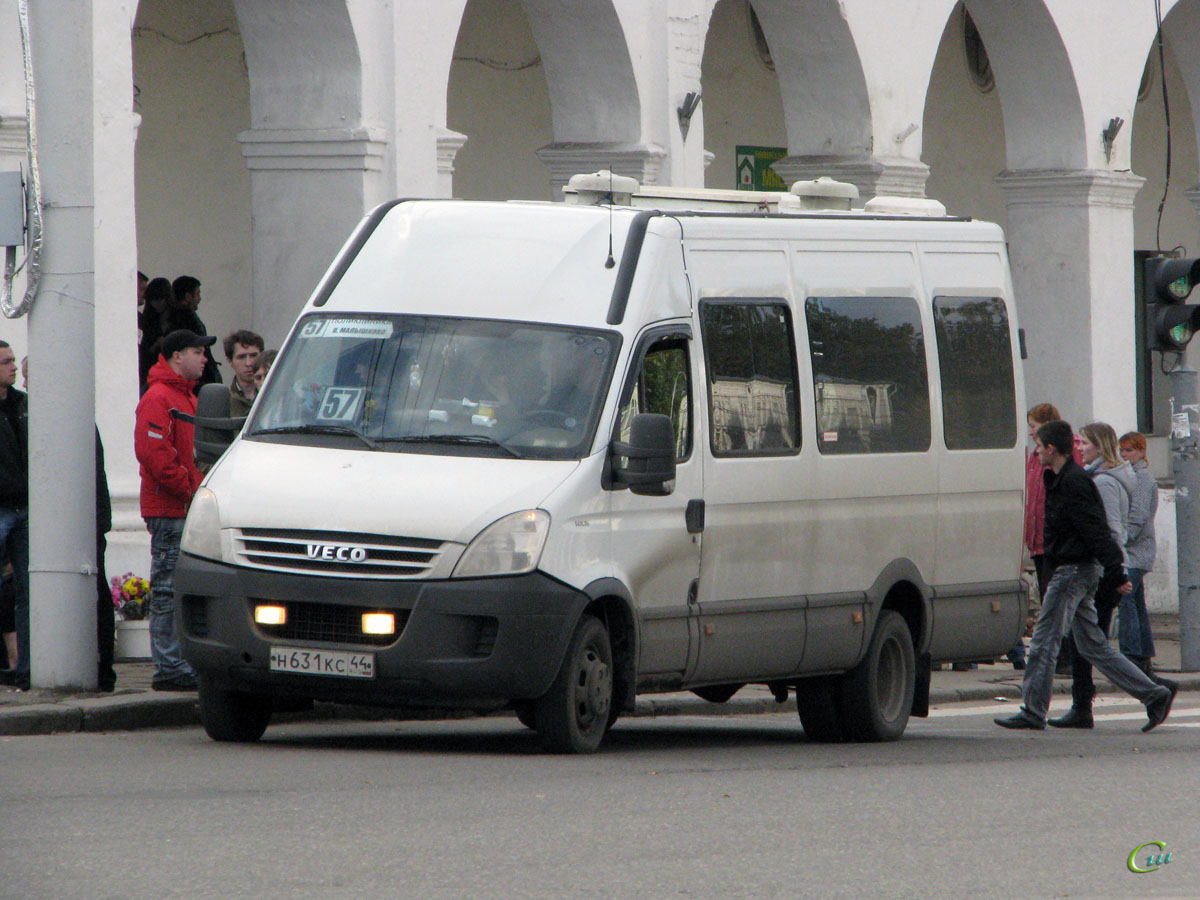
{"x":869,"y":374}
{"x":976,"y":365}
{"x":663,"y":386}
{"x":752,"y":378}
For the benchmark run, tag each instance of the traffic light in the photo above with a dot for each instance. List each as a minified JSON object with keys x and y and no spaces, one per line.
{"x":1170,"y":323}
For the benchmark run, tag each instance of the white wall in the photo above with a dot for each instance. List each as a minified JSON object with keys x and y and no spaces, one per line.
{"x":742,"y":103}
{"x":963,"y":134}
{"x":193,"y":189}
{"x":497,"y":97}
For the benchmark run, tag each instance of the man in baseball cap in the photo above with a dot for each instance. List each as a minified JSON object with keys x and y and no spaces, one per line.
{"x":164,"y":447}
{"x":182,"y":339}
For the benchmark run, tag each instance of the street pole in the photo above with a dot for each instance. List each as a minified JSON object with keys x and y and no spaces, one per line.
{"x":1185,"y":463}
{"x":62,"y":415}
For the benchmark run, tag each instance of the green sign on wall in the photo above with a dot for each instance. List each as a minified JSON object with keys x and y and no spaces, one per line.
{"x":754,"y":172}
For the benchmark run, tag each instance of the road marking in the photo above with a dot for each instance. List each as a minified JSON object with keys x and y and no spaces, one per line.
{"x":1105,"y":709}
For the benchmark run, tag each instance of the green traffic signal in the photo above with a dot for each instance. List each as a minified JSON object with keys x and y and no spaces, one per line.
{"x":1168,"y":281}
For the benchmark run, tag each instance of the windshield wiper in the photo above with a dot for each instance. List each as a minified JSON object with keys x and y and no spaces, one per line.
{"x":318,"y":429}
{"x":461,"y":439}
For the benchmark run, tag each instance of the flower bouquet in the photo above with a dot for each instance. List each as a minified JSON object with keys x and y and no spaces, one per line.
{"x":131,"y":596}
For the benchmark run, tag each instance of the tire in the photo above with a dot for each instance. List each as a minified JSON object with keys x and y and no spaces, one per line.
{"x":233,"y":716}
{"x":717,"y":693}
{"x":877,"y":694}
{"x":573,"y":716}
{"x":525,"y":714}
{"x":817,"y":703}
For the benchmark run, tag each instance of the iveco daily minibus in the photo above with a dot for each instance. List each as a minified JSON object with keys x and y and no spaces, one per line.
{"x":550,"y":456}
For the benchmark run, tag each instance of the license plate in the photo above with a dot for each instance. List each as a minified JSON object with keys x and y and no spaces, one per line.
{"x":306,"y":661}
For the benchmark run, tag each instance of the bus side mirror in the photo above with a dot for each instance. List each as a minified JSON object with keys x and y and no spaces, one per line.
{"x":215,"y":430}
{"x":646,"y":464}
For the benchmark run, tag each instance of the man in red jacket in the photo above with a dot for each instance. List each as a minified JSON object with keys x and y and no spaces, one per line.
{"x":169,"y":480}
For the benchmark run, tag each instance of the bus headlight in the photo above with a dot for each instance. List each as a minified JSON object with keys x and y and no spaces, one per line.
{"x":202,"y":529}
{"x":509,"y":546}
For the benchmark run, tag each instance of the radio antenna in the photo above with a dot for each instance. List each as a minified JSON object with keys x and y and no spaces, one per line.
{"x":610,"y":262}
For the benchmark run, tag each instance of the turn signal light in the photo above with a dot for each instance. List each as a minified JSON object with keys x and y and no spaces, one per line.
{"x":270,"y":615}
{"x":378,"y":623}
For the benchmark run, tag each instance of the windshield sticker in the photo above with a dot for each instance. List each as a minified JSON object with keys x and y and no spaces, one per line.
{"x":340,"y":404}
{"x":373,"y":329}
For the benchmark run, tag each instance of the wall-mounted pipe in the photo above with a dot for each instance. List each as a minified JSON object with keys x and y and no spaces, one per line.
{"x":33,"y":258}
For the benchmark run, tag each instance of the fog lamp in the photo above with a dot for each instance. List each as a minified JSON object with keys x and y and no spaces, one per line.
{"x":378,"y":623}
{"x":270,"y":615}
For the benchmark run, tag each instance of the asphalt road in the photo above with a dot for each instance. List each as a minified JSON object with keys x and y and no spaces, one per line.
{"x":679,"y":807}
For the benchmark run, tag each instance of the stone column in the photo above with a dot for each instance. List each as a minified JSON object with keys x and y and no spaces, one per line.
{"x":640,"y":161}
{"x":448,"y":144}
{"x":309,"y":188}
{"x":116,"y":127}
{"x":62,"y":512}
{"x":895,"y":177}
{"x":1070,"y":237}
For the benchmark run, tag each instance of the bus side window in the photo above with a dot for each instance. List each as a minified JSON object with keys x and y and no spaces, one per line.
{"x":975,"y":362}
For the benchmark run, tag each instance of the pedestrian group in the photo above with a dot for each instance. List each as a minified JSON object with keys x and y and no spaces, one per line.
{"x":175,"y":359}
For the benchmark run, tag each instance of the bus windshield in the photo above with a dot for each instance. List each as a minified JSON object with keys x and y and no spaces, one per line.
{"x":431,"y":384}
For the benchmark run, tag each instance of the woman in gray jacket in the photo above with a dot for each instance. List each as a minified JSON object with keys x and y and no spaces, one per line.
{"x":1136,"y":639}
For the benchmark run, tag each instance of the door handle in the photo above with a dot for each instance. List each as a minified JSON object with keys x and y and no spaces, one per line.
{"x":694,"y":516}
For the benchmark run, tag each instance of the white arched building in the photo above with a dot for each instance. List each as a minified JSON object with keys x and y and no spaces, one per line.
{"x":240,"y":140}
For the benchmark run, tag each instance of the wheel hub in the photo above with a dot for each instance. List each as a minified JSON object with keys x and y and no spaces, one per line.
{"x":594,"y":694}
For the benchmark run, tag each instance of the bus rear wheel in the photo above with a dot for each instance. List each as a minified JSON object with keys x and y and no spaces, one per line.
{"x":817,"y":703}
{"x":877,"y":694}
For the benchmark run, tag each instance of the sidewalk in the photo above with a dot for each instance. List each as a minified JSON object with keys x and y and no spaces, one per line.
{"x":134,"y":705}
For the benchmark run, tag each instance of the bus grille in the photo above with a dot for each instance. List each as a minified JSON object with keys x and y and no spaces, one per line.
{"x":336,"y":553}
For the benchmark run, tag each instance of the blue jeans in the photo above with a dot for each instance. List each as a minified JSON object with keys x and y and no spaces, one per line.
{"x":1068,"y":601}
{"x":14,"y":537}
{"x":1135,"y":637}
{"x":165,"y":535}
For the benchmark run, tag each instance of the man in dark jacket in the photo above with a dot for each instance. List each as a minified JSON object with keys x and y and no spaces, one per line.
{"x":185,"y":301}
{"x":14,"y":501}
{"x":1078,"y":545}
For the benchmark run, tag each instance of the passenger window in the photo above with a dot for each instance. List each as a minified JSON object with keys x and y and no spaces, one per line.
{"x":752,"y":380}
{"x":869,"y":375}
{"x":663,"y":386}
{"x":979,"y":397}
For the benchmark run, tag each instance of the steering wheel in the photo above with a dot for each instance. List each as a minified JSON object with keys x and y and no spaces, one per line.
{"x":553,"y":417}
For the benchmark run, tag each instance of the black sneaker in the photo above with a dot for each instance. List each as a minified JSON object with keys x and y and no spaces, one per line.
{"x":1021,"y":720}
{"x":1158,"y":710}
{"x":178,"y":683}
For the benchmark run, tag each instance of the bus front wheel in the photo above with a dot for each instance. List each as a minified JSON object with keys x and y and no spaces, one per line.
{"x":573,"y":716}
{"x":232,"y":715}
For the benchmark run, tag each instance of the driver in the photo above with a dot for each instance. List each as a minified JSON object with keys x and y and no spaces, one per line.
{"x":576,"y":373}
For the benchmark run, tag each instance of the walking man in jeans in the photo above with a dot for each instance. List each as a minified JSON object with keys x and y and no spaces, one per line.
{"x":169,"y":480}
{"x":1078,"y":546}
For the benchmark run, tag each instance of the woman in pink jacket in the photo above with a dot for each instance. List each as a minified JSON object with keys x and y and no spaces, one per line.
{"x":1035,"y":514}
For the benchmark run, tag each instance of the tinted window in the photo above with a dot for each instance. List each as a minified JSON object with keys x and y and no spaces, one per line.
{"x":751,"y":378}
{"x":869,"y":376}
{"x":979,"y":398}
{"x":663,"y":386}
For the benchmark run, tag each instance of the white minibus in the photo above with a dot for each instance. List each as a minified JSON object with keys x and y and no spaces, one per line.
{"x":551,"y":456}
